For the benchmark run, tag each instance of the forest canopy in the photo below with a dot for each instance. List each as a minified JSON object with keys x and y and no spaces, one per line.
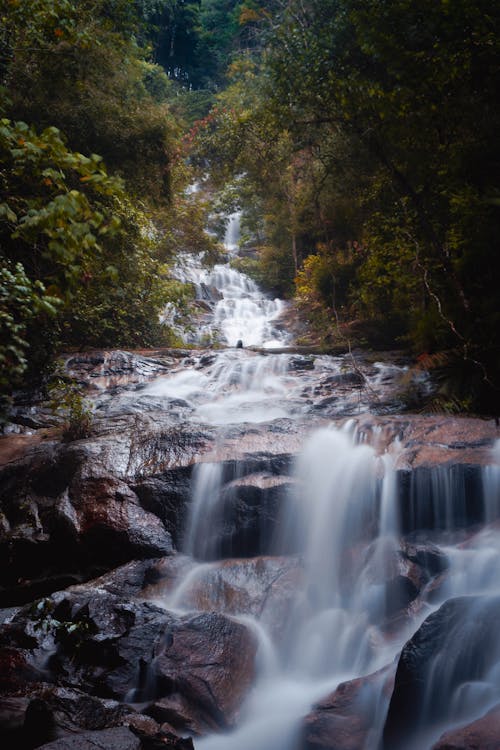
{"x":369,"y":132}
{"x":359,"y":138}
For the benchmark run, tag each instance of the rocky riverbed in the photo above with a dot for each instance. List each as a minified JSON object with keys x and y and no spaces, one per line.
{"x":147,"y":578}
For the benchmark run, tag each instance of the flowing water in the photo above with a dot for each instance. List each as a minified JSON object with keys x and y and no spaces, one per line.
{"x":351,"y":612}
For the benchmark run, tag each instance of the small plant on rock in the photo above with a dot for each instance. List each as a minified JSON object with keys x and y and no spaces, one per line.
{"x":67,"y":401}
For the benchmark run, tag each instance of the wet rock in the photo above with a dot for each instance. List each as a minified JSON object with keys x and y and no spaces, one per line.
{"x":177,"y":712}
{"x":16,"y":668}
{"x":156,"y":737}
{"x":66,"y":518}
{"x":111,"y":369}
{"x":454,"y":645}
{"x":482,"y":734}
{"x":347,"y":719}
{"x":430,"y":558}
{"x":167,"y":497}
{"x":105,"y":647}
{"x":12,"y":715}
{"x":127,"y":581}
{"x":301,"y":362}
{"x":119,"y":738}
{"x":208,"y":659}
{"x":427,"y":441}
{"x":251,"y":508}
{"x":111,"y":524}
{"x":56,"y":712}
{"x":349,"y":378}
{"x":263,"y":587}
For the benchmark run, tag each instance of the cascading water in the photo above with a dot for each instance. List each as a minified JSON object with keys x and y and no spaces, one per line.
{"x":343,"y":521}
{"x":355,"y":521}
{"x":236,"y":310}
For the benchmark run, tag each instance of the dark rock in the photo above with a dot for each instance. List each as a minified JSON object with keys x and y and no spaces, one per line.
{"x":482,"y":734}
{"x":350,"y":378}
{"x":64,"y":519}
{"x":453,"y":646}
{"x":177,"y":712}
{"x":113,"y":528}
{"x":155,"y":737}
{"x":430,"y":558}
{"x":263,"y":587}
{"x":325,"y":403}
{"x":347,"y":719}
{"x":56,"y":712}
{"x":119,"y":738}
{"x":125,"y":582}
{"x":167,"y":497}
{"x":12,"y":715}
{"x":301,"y":362}
{"x":251,"y":508}
{"x":109,"y":648}
{"x":209,"y":659}
{"x":16,"y":669}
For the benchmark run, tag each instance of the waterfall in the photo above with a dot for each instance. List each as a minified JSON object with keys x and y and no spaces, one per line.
{"x":236,"y":310}
{"x":343,"y":518}
{"x":233,"y":232}
{"x":345,"y":501}
{"x":381,"y":546}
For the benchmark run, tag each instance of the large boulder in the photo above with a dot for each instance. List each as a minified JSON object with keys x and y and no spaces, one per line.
{"x":262,"y":587}
{"x":350,"y":717}
{"x":482,"y":734}
{"x":453,"y":650}
{"x":131,"y":651}
{"x":64,"y":518}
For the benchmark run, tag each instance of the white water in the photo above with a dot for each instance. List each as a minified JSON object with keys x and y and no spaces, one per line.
{"x":343,"y":519}
{"x":236,"y":309}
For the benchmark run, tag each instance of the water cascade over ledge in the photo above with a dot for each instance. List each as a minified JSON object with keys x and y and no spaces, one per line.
{"x":305,"y":564}
{"x":378,"y":548}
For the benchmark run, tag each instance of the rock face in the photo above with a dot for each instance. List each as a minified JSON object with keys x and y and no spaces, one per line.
{"x":263,"y":587}
{"x":346,"y":719}
{"x":454,"y":646}
{"x":65,"y":518}
{"x":482,"y":734}
{"x":104,"y":665}
{"x":251,"y":508}
{"x":82,"y":658}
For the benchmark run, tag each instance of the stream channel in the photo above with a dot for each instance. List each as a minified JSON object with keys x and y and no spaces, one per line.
{"x":355,"y":602}
{"x":306,"y":564}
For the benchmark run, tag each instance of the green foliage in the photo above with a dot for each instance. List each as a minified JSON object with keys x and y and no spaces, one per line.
{"x":78,"y":67}
{"x":51,"y":218}
{"x":21,"y":300}
{"x":375,"y":126}
{"x":70,"y":633}
{"x":87,"y":262}
{"x":67,"y":402}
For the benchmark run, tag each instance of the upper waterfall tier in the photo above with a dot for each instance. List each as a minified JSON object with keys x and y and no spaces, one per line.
{"x":234,"y":308}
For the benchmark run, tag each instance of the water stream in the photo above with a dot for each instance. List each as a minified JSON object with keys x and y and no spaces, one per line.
{"x":353,"y":608}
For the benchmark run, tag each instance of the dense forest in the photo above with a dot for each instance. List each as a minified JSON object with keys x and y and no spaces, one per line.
{"x":358,"y":138}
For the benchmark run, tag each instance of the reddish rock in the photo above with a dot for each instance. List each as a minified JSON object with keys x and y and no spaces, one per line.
{"x":345,"y":720}
{"x":482,"y":734}
{"x":16,"y":670}
{"x":119,"y":738}
{"x":263,"y":587}
{"x":210,"y":660}
{"x":106,"y":647}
